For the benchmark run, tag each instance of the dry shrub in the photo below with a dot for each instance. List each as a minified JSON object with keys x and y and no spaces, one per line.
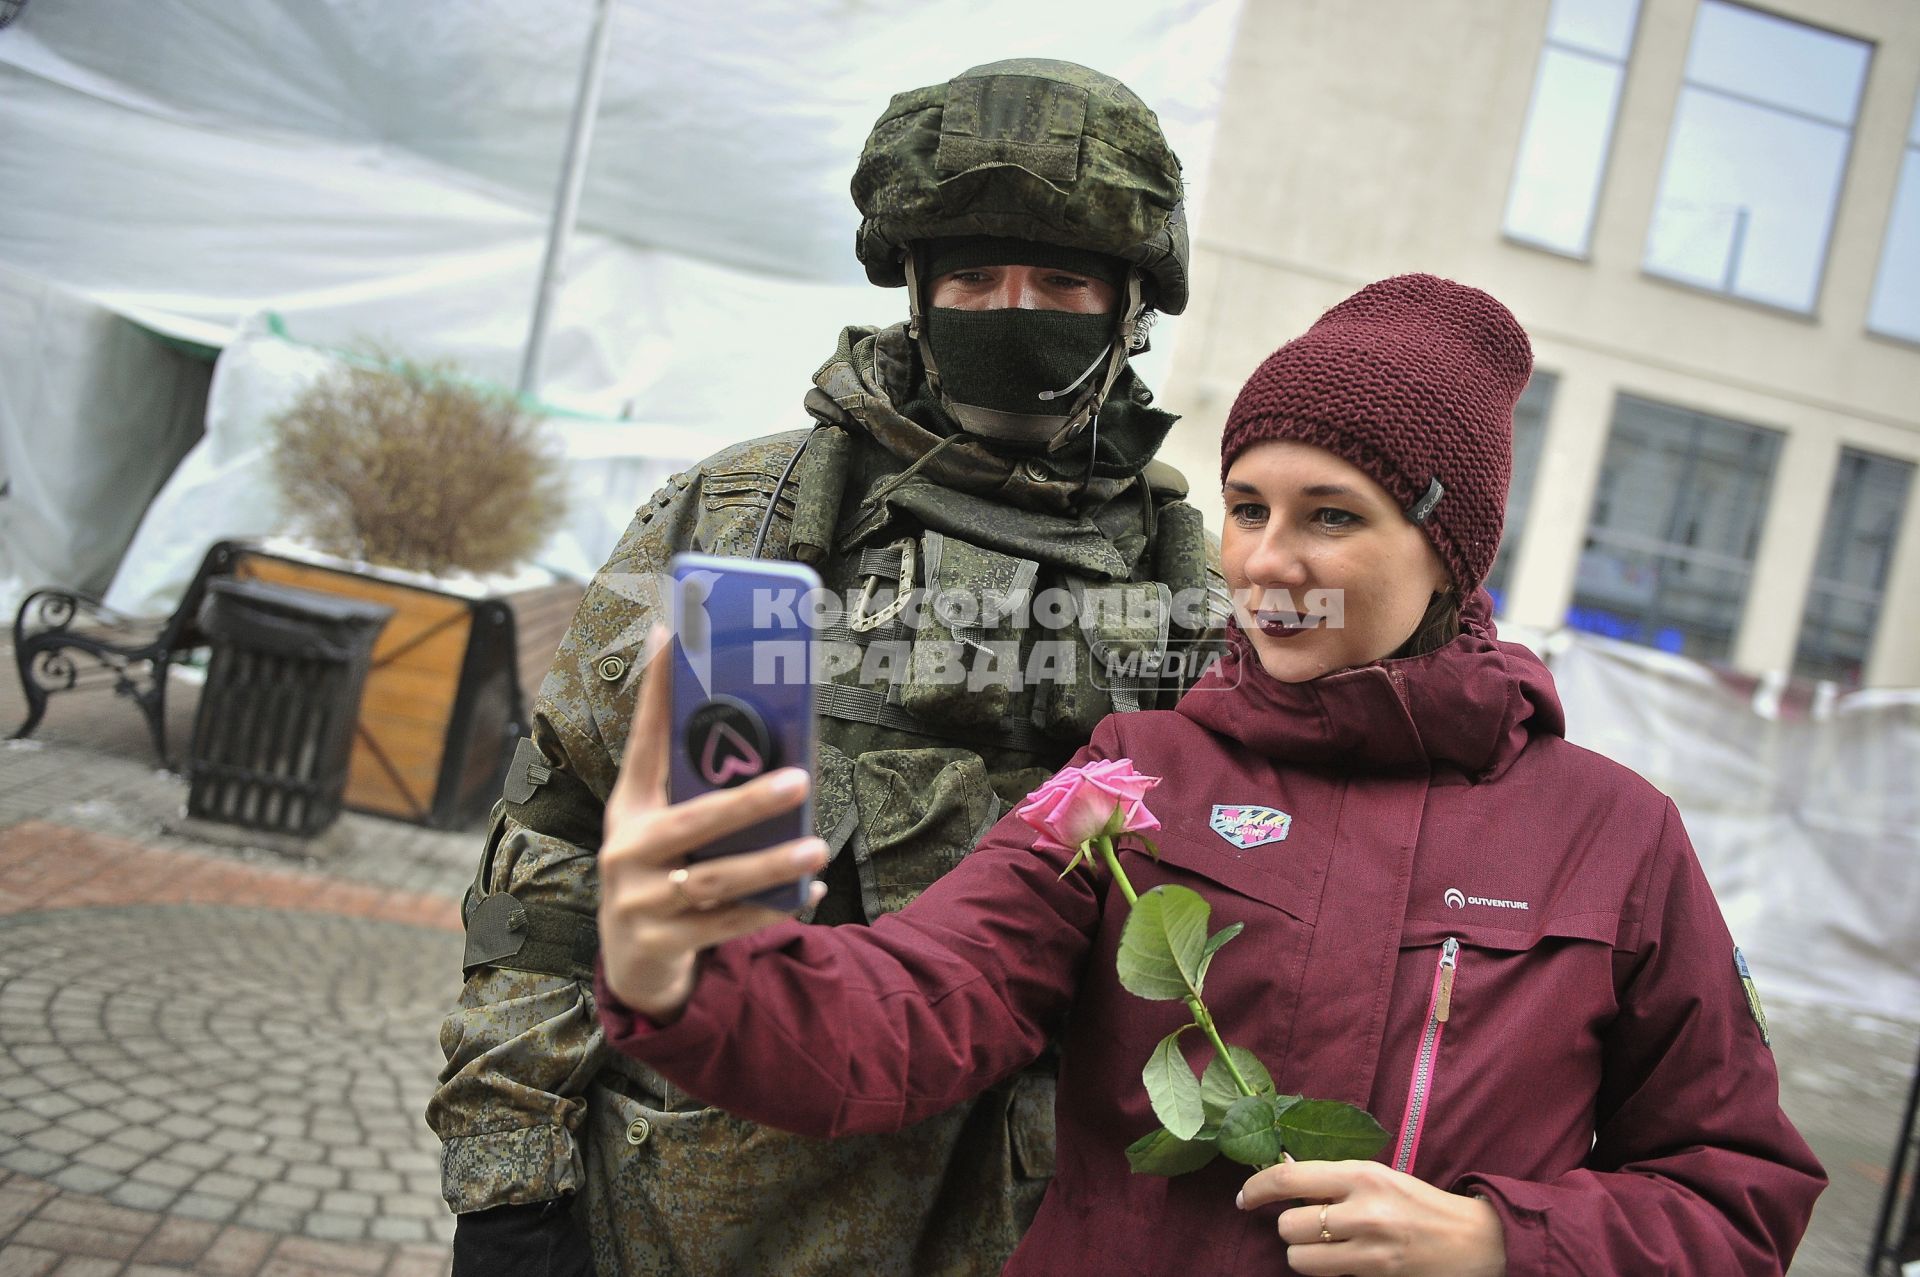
{"x":406,"y":466}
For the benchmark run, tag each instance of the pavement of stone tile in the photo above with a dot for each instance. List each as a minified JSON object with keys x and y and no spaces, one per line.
{"x":214,"y":1055}
{"x":215,"y":1047}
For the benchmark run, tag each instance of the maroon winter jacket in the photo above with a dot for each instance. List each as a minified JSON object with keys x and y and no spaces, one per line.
{"x":1598,"y":1074}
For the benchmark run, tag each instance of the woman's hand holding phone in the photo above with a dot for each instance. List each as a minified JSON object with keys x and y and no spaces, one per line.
{"x":657,"y":909}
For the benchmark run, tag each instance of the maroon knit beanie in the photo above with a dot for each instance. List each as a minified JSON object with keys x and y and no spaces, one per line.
{"x":1413,"y":380}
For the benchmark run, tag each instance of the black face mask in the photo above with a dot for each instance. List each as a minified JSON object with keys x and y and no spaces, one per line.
{"x":995,"y":365}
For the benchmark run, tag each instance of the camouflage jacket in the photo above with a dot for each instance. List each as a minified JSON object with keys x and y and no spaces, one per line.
{"x":532,"y":1104}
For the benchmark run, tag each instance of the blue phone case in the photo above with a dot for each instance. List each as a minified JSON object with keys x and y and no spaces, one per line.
{"x":743,"y":700}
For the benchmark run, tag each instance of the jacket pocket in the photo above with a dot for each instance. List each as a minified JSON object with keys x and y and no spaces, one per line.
{"x":1484,"y":982}
{"x":965,"y":663}
{"x":1427,"y":1058}
{"x":920,"y":812}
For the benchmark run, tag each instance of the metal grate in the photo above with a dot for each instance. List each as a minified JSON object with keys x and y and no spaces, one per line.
{"x":10,"y":9}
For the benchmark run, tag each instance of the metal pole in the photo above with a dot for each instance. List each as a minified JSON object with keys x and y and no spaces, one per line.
{"x":566,"y":205}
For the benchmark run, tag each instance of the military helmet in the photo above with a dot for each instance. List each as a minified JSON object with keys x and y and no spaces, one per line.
{"x":1028,"y":148}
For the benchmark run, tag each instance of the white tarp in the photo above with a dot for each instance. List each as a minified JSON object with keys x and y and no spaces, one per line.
{"x":1803,"y":803}
{"x":385,"y":168}
{"x":94,"y":412}
{"x":382,"y":171}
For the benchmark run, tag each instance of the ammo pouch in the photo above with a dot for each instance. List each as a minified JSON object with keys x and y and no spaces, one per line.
{"x":966,"y":661}
{"x":508,"y":933}
{"x":1110,"y":658}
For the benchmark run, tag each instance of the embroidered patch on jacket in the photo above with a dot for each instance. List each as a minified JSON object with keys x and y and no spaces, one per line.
{"x":1754,"y":1008}
{"x":1246,"y":826}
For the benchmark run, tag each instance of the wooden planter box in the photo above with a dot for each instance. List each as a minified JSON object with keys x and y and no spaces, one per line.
{"x":450,"y":687}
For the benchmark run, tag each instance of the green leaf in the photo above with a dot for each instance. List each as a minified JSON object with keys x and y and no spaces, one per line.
{"x":1162,"y":943}
{"x":1173,"y":1088}
{"x":1329,"y":1131}
{"x":1160,"y":1152}
{"x":1214,"y":942}
{"x":1217,"y":1091}
{"x":1247,"y":1134}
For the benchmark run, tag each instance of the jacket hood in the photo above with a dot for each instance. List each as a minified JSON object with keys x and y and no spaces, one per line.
{"x":871,"y":385}
{"x":1470,"y":706}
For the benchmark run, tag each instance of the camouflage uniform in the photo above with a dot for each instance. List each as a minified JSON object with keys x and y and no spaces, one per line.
{"x":533,"y":1106}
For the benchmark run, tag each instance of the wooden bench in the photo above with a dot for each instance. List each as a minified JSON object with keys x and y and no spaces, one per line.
{"x":447,"y":693}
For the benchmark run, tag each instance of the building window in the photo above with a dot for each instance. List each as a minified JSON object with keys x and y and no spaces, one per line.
{"x":1529,"y":438}
{"x":1755,"y":159}
{"x":1896,"y":293}
{"x":1576,"y":95}
{"x":1676,"y":520}
{"x":1849,"y":576}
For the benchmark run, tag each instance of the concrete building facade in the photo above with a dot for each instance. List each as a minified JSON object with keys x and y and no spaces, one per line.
{"x":1706,"y":214}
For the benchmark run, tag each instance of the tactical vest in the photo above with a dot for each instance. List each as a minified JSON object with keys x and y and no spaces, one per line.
{"x":977,"y":647}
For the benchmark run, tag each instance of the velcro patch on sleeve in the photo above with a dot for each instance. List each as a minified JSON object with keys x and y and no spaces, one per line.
{"x":1752,"y":991}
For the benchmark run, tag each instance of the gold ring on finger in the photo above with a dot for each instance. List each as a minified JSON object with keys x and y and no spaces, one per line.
{"x":1326,"y":1235}
{"x":679,"y":880}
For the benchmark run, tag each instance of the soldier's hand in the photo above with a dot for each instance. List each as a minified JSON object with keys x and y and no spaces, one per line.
{"x":657,"y":911}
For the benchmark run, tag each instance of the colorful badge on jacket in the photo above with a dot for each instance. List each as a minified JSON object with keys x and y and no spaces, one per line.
{"x":1753,"y":995}
{"x":1246,"y":826}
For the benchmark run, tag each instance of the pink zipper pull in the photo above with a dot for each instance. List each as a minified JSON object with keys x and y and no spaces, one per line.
{"x":1449,"y":958}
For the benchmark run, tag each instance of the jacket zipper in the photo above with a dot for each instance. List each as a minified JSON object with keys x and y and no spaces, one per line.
{"x":1439,"y":1008}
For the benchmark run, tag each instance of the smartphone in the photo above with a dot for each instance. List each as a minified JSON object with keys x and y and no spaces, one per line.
{"x":743,"y":699}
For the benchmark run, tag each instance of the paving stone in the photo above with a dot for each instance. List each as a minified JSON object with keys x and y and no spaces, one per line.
{"x":331,"y":1254}
{"x":139,"y":1139}
{"x":18,"y":1260}
{"x":84,"y":1267}
{"x":32,"y":1161}
{"x":337,"y":1227}
{"x":201,"y":1206}
{"x":92,"y":1122}
{"x":221,"y":1184}
{"x":137,"y":1110}
{"x":320,"y":1176}
{"x":74,"y":1239}
{"x":93,"y":1213}
{"x":342,"y":1202}
{"x":95,"y":1093}
{"x":236,"y":1252}
{"x":356,"y":1158}
{"x":398,"y":1230}
{"x":199,"y":1156}
{"x":374,"y":1181}
{"x":278,"y":1219}
{"x":416,"y":1206}
{"x":291,"y":1196}
{"x":84,"y":1179}
{"x":151,"y":1197}
{"x":237,"y":1141}
{"x":20,"y":1122}
{"x":177,"y":1241}
{"x":57,"y":1139}
{"x":419,"y":1262}
{"x":164,"y":1174}
{"x":49,"y":1104}
{"x":15,"y":1205}
{"x":109,"y":1157}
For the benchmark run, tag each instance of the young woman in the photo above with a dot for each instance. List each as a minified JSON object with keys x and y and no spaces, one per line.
{"x":1498,"y":943}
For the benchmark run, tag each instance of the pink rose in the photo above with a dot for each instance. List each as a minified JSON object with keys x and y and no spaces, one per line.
{"x":1081,"y":803}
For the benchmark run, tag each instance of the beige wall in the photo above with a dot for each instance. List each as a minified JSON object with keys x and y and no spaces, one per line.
{"x":1362,"y":138}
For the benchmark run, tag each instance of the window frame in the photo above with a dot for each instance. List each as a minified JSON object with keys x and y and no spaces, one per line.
{"x":1824,"y":258}
{"x":1549,"y":43}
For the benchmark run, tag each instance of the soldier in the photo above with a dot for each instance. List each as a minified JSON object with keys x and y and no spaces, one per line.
{"x":995,"y":445}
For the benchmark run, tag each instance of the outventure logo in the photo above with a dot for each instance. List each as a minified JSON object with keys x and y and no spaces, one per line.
{"x":1457,"y":899}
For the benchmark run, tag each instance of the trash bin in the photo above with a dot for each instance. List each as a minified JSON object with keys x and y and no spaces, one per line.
{"x":276,"y":717}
